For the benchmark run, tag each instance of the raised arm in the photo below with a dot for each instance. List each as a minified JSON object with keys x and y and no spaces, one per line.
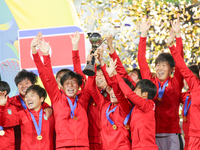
{"x":120,"y":68}
{"x":187,"y":74}
{"x":123,"y":101}
{"x":75,"y":54}
{"x":144,"y":68}
{"x":179,"y":46}
{"x":143,"y":104}
{"x":92,"y":87}
{"x":51,"y":84}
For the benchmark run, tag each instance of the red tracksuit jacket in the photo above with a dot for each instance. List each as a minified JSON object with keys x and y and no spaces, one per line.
{"x":142,"y":123}
{"x":112,"y":139}
{"x":69,"y":132}
{"x":15,"y":102}
{"x":120,"y":68}
{"x":167,"y":110}
{"x":186,"y":124}
{"x":28,"y":133}
{"x":7,"y":141}
{"x":94,"y":111}
{"x":194,"y":86}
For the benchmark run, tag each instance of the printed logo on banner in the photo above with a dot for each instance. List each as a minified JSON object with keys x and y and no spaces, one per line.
{"x":61,"y":47}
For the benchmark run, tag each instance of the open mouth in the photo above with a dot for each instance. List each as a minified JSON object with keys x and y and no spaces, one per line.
{"x":160,"y":74}
{"x":30,"y":104}
{"x":71,"y":91}
{"x":99,"y":82}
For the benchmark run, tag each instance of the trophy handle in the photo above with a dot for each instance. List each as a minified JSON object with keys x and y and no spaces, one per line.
{"x":92,"y":52}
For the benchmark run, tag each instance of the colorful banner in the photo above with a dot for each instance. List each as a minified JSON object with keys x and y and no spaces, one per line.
{"x":29,"y":17}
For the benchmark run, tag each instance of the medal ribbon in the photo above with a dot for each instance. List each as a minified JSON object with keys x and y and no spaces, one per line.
{"x":128,"y":116}
{"x":73,"y":107}
{"x":162,"y":90}
{"x":108,"y":113}
{"x":38,"y":128}
{"x":186,"y":108}
{"x":104,"y":89}
{"x":22,"y":102}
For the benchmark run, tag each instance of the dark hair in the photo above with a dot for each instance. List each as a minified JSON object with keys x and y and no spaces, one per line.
{"x":137,"y":71}
{"x":62,"y":71}
{"x":165,"y":57}
{"x":147,"y":86}
{"x":41,"y":92}
{"x":24,"y":74}
{"x":129,"y":84}
{"x":194,"y":69}
{"x":4,"y":86}
{"x":98,"y":67}
{"x":70,"y":75}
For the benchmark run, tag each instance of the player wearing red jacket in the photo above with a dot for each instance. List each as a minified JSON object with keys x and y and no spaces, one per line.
{"x":168,"y":131}
{"x":142,"y":123}
{"x":115,"y":131}
{"x":186,"y":100}
{"x":94,"y":112}
{"x":36,"y":129}
{"x":69,"y":108}
{"x":23,"y":80}
{"x":7,"y":139}
{"x":194,"y":87}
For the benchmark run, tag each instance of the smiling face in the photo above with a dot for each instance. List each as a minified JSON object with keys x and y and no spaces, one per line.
{"x":70,"y":86}
{"x":33,"y":101}
{"x":23,"y":86}
{"x":100,"y":80}
{"x":113,"y":98}
{"x":140,"y":94}
{"x":134,"y":76}
{"x":163,"y":70}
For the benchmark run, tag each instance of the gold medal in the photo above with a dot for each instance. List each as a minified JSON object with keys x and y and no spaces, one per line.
{"x":185,"y":119}
{"x":2,"y":132}
{"x":127,"y":127}
{"x":159,"y":99}
{"x":39,"y":137}
{"x":75,"y":118}
{"x":94,"y":104}
{"x":114,"y":127}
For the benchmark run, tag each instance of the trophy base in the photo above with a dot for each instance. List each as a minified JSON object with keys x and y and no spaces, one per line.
{"x":89,"y":70}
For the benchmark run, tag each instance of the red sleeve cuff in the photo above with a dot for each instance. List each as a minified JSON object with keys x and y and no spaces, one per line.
{"x":179,"y":40}
{"x":75,"y":53}
{"x":143,"y":40}
{"x":113,"y":55}
{"x":36,"y":56}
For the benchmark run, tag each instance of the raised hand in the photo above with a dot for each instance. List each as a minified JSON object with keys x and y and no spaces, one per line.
{"x":176,"y":26}
{"x":35,"y":42}
{"x":100,"y":55}
{"x":75,"y":40}
{"x":44,"y":47}
{"x":112,"y":68}
{"x":171,"y":38}
{"x":3,"y":98}
{"x":89,"y":57}
{"x":144,"y":26}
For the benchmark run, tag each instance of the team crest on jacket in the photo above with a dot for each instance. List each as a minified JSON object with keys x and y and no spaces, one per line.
{"x":45,"y":117}
{"x":105,"y":94}
{"x":9,"y":111}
